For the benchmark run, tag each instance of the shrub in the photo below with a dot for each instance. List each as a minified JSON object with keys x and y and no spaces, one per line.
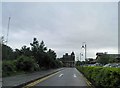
{"x":8,"y":68}
{"x":102,"y":77}
{"x":25,"y":63}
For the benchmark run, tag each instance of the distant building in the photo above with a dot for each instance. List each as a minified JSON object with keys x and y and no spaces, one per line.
{"x":68,"y":60}
{"x":116,"y":57}
{"x":99,"y":54}
{"x":91,"y":60}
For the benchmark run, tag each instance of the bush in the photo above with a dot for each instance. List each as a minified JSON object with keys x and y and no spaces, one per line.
{"x":22,"y":64}
{"x":102,"y":77}
{"x":8,"y":68}
{"x":36,"y":67}
{"x":58,"y":64}
{"x":25,"y":63}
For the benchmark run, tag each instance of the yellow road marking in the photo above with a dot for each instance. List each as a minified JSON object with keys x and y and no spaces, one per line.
{"x":88,"y":82}
{"x":39,"y":80}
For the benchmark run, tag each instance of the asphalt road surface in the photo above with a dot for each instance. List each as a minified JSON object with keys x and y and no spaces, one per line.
{"x":66,"y":77}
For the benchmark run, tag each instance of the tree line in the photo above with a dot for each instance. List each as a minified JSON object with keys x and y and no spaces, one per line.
{"x":27,"y":59}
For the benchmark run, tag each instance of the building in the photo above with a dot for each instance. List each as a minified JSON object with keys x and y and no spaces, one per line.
{"x":114,"y":57}
{"x":91,"y":61}
{"x":68,"y":60}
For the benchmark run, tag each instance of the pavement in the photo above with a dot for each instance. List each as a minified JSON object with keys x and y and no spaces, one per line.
{"x":67,"y":77}
{"x":21,"y":80}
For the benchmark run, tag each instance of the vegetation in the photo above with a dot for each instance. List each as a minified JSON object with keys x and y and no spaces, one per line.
{"x":8,"y":68}
{"x":78,"y":63}
{"x":102,"y":77}
{"x":7,"y":53}
{"x":25,"y":63}
{"x":28,"y":59}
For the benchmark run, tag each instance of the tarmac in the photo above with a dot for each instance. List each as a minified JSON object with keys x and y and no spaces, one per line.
{"x":22,"y":80}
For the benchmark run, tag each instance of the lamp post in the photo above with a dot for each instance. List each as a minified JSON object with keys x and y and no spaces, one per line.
{"x":84,"y":46}
{"x":8,"y":30}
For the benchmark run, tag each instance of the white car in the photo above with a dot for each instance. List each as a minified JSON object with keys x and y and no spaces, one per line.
{"x":112,"y":65}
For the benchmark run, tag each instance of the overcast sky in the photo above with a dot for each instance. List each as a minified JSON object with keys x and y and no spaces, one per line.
{"x":63,"y":26}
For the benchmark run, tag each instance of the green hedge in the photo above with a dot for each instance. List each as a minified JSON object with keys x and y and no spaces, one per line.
{"x":8,"y":68}
{"x":102,"y":77}
{"x":22,"y":64}
{"x":27,"y":64}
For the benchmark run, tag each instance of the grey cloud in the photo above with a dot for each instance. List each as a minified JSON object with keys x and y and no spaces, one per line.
{"x":63,"y":26}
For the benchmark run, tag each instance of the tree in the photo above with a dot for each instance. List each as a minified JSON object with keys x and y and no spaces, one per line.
{"x":25,"y":63}
{"x":17,"y":53}
{"x":78,"y":63}
{"x":7,"y":53}
{"x":38,"y":51}
{"x":42,"y":47}
{"x":51,"y":58}
{"x":25,"y":51}
{"x":52,"y":54}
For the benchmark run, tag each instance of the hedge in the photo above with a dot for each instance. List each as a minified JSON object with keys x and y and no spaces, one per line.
{"x":102,"y":77}
{"x":8,"y":68}
{"x":22,"y":64}
{"x":27,"y":64}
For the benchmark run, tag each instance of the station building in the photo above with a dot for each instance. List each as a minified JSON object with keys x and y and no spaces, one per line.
{"x":68,"y":60}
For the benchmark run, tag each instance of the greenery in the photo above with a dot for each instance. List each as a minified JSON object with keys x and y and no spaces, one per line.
{"x":25,"y":63}
{"x":78,"y":63}
{"x":102,"y":77}
{"x":8,"y":68}
{"x":7,"y":53}
{"x":28,"y":59}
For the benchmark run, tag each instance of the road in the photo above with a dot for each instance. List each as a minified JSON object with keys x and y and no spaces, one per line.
{"x":66,"y":77}
{"x":21,"y":79}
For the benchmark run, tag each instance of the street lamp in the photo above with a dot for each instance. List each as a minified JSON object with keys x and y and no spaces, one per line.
{"x":84,"y":46}
{"x":8,"y":30}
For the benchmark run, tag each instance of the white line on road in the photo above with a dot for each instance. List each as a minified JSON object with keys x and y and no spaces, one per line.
{"x":60,"y":75}
{"x":75,"y":75}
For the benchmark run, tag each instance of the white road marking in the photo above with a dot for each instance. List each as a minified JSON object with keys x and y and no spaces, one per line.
{"x":60,"y":75}
{"x":75,"y":75}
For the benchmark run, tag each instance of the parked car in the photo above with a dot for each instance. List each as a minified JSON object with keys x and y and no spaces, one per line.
{"x":96,"y":64}
{"x":116,"y":65}
{"x":107,"y":65}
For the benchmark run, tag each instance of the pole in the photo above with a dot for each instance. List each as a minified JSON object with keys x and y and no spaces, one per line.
{"x":7,"y":38}
{"x":8,"y":29}
{"x":85,"y":47}
{"x":80,"y":56}
{"x":85,"y":52}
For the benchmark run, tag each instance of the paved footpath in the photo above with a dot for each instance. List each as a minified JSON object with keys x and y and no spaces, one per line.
{"x":19,"y":80}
